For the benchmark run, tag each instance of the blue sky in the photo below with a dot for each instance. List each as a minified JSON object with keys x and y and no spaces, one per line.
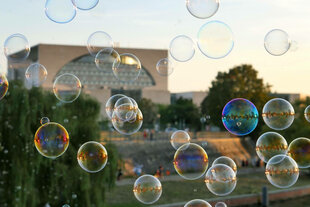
{"x":152,"y":24}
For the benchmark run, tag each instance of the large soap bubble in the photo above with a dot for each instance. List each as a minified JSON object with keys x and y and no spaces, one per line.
{"x":109,"y":107}
{"x":221,"y":180}
{"x":129,"y":126}
{"x":197,"y":203}
{"x":215,"y":39}
{"x":269,"y":145}
{"x":182,"y":48}
{"x":307,"y":113}
{"x":202,"y":9}
{"x":60,"y":11}
{"x":282,"y":171}
{"x":190,"y":161}
{"x":299,"y":150}
{"x":240,"y":116}
{"x":147,"y":189}
{"x":98,"y":41}
{"x":164,"y":67}
{"x":225,"y":161}
{"x":67,"y":88}
{"x":4,"y":86}
{"x":92,"y":157}
{"x":178,"y":138}
{"x":105,"y":58}
{"x":278,"y":114}
{"x":16,"y":48}
{"x":51,"y":140}
{"x":85,"y":5}
{"x":277,"y":42}
{"x":128,"y":68}
{"x":36,"y":74}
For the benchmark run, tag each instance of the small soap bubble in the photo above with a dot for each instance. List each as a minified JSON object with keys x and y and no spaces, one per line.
{"x":60,"y":11}
{"x":97,"y":41}
{"x":110,"y":105}
{"x":36,"y":74}
{"x":16,"y":48}
{"x":164,"y":67}
{"x":67,"y":88}
{"x":85,"y":5}
{"x":182,"y":48}
{"x":128,"y":68}
{"x":147,"y":189}
{"x":178,"y":138}
{"x":220,"y":204}
{"x":277,"y":42}
{"x":202,"y":9}
{"x":197,"y":203}
{"x":226,"y":161}
{"x":299,"y":150}
{"x":44,"y":120}
{"x":105,"y":58}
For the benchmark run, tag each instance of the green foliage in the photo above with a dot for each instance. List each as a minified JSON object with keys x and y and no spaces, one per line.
{"x":181,"y":114}
{"x":149,"y":111}
{"x":27,"y":179}
{"x":238,"y":82}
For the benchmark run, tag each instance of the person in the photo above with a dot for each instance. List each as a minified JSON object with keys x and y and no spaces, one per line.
{"x":145,"y":134}
{"x":119,"y":174}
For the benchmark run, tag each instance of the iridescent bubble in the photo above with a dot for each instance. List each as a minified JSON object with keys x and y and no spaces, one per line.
{"x":278,"y":114}
{"x":197,"y":203}
{"x":282,"y":171}
{"x":220,"y":180}
{"x":128,"y":69}
{"x":92,"y":157}
{"x":44,"y":120}
{"x":202,"y":9}
{"x":226,"y":161}
{"x":109,"y":107}
{"x":190,"y":161}
{"x":269,"y":145}
{"x":16,"y":48}
{"x":215,"y":39}
{"x":67,"y":88}
{"x":85,"y":5}
{"x":299,"y":150}
{"x":164,"y":67}
{"x":97,"y":41}
{"x":277,"y":42}
{"x":105,"y":58}
{"x":130,"y":126}
{"x":147,"y":189}
{"x":182,"y":48}
{"x":51,"y":140}
{"x":125,"y":109}
{"x":178,"y":138}
{"x":36,"y":74}
{"x":307,"y":113}
{"x":4,"y":86}
{"x":60,"y":11}
{"x":220,"y":204}
{"x":240,"y":116}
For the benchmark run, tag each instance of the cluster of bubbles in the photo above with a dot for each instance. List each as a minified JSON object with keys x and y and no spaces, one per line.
{"x":124,"y":113}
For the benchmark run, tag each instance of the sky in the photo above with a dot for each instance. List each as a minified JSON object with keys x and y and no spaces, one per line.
{"x":153,"y":24}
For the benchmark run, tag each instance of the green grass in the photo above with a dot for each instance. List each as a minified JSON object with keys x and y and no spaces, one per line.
{"x":183,"y":190}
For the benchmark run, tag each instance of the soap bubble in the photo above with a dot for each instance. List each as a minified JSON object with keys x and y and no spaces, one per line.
{"x":125,"y":109}
{"x":182,"y":48}
{"x":44,"y":120}
{"x":66,"y":205}
{"x":97,"y":41}
{"x":51,"y":140}
{"x":130,"y":126}
{"x":164,"y":67}
{"x":277,"y":42}
{"x":307,"y":113}
{"x":197,"y":203}
{"x":4,"y":86}
{"x":127,"y":69}
{"x":270,"y":144}
{"x":92,"y":157}
{"x":220,"y":204}
{"x":226,"y":161}
{"x":147,"y":189}
{"x":36,"y":74}
{"x":202,"y":9}
{"x":299,"y":150}
{"x":85,"y":5}
{"x":67,"y":88}
{"x":215,"y":39}
{"x":16,"y":48}
{"x":240,"y":116}
{"x":282,"y":171}
{"x":60,"y":11}
{"x":109,"y":107}
{"x":105,"y":58}
{"x":220,"y":180}
{"x":278,"y":114}
{"x":178,"y":138}
{"x":190,"y":161}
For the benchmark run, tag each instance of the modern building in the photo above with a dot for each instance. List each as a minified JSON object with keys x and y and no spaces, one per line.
{"x":99,"y":83}
{"x":196,"y":96}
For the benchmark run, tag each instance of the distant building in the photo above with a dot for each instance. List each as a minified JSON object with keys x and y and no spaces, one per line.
{"x":196,"y":96}
{"x":101,"y":84}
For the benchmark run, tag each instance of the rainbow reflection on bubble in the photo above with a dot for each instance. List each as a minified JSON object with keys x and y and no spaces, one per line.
{"x":190,"y":161}
{"x":240,"y":116}
{"x":51,"y":140}
{"x":4,"y":86}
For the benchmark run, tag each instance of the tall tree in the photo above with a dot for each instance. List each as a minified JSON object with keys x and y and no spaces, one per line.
{"x":149,"y":111}
{"x":239,"y":82}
